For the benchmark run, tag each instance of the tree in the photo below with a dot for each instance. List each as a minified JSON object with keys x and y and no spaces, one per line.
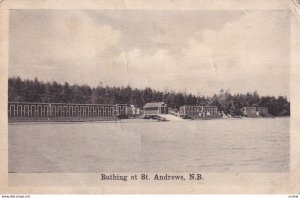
{"x":38,"y":91}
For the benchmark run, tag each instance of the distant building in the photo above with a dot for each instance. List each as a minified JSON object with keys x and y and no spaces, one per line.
{"x":263,"y":111}
{"x":198,"y":111}
{"x":27,"y":111}
{"x":121,"y":109}
{"x":154,"y":108}
{"x":249,"y":111}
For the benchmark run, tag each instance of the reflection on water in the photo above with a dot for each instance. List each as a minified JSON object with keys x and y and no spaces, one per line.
{"x":243,"y":145}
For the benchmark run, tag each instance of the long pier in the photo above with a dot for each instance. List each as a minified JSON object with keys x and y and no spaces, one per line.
{"x":25,"y":111}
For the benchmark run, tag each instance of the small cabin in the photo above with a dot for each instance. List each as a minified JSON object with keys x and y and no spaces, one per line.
{"x":154,"y":108}
{"x":198,"y":111}
{"x":249,"y":111}
{"x":263,"y":111}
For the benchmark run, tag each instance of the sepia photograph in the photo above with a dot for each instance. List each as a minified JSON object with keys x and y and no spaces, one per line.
{"x":148,"y":91}
{"x":168,"y":94}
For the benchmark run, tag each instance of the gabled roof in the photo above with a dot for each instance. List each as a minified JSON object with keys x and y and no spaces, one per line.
{"x":154,"y":104}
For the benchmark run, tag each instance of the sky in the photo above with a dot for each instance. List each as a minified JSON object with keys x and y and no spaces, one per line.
{"x":195,"y":51}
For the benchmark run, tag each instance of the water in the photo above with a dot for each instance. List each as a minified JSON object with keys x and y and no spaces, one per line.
{"x":242,"y":145}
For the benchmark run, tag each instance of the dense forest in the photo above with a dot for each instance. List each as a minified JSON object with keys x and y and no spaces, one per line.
{"x":37,"y":91}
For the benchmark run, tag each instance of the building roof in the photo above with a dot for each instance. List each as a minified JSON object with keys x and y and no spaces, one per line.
{"x":262,"y":107}
{"x":248,"y":108}
{"x":154,"y":104}
{"x":199,"y":106}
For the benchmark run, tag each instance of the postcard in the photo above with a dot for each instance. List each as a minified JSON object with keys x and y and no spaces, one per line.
{"x":105,"y":97}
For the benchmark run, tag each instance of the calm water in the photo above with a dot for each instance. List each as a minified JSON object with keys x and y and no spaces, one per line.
{"x":245,"y":145}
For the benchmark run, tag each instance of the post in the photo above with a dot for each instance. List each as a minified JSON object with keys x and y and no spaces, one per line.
{"x":50,"y":110}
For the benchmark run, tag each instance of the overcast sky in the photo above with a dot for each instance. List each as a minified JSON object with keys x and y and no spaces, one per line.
{"x":194,"y":51}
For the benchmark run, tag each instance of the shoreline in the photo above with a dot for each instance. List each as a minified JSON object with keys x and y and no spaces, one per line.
{"x":139,"y":120}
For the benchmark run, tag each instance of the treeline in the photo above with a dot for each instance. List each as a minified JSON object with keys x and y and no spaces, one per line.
{"x":37,"y":91}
